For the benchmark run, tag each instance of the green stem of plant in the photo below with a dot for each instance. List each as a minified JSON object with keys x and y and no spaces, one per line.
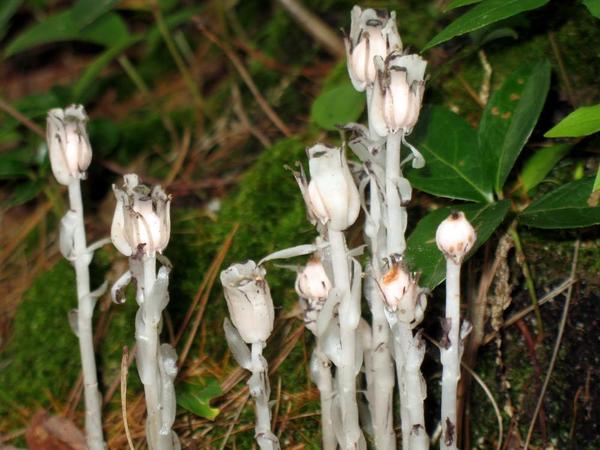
{"x":528,"y":279}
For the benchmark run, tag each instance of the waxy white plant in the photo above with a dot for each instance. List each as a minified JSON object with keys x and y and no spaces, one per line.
{"x":251,"y":309}
{"x":141,"y":229}
{"x":455,"y":237}
{"x":313,"y":286}
{"x":70,"y":155}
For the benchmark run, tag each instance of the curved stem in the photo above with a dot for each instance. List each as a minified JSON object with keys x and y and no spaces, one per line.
{"x":85,"y":311}
{"x":396,"y":213}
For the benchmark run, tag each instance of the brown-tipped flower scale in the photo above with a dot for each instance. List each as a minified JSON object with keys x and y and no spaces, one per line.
{"x":68,"y":143}
{"x":455,"y":237}
{"x":141,"y":223}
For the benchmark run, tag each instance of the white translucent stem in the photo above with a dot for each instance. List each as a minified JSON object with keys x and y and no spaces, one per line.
{"x":326,"y":392}
{"x":383,"y":368}
{"x":400,"y":360}
{"x":148,"y":345}
{"x":414,"y":348}
{"x":349,"y":317}
{"x":450,"y":357}
{"x":259,"y":389}
{"x":85,"y":311}
{"x":395,"y":211}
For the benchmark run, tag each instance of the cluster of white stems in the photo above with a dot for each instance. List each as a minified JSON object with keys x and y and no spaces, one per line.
{"x":353,"y":359}
{"x":140,"y":230}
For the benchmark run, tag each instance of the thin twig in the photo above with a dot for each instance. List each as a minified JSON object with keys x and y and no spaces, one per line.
{"x":214,"y":270}
{"x":562,"y":69}
{"x":561,"y":330}
{"x":317,"y":28}
{"x":8,"y":109}
{"x":239,"y":66}
{"x":183,"y":150}
{"x":234,"y":421}
{"x":518,"y":316}
{"x":124,"y":371}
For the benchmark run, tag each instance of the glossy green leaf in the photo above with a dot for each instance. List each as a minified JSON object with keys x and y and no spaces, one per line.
{"x":109,"y":30}
{"x":565,"y":207}
{"x":87,"y":11}
{"x":422,"y":253}
{"x":593,"y":7}
{"x":485,"y":13}
{"x":7,"y":9}
{"x":509,"y":118}
{"x":458,"y":3}
{"x":196,"y":398}
{"x":540,"y":164}
{"x":454,"y":166}
{"x":337,"y":106}
{"x":581,"y":122}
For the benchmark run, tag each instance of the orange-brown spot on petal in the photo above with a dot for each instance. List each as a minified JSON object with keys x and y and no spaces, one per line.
{"x":391,"y":275}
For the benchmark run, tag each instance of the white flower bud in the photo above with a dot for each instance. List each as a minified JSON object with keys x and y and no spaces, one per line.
{"x":372,"y":33}
{"x":68,"y":143}
{"x":141,"y":223}
{"x":312,"y":282}
{"x":249,"y":301}
{"x":398,"y":93}
{"x":400,"y":292}
{"x":455,"y":237}
{"x":332,"y":194}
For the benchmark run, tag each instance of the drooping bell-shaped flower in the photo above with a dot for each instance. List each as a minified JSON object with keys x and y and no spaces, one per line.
{"x":455,"y":237}
{"x":331,"y":195}
{"x":312,"y":281}
{"x":68,"y":143}
{"x":400,"y":291}
{"x":249,"y":301}
{"x":372,"y":33}
{"x":398,"y":93}
{"x":141,"y":223}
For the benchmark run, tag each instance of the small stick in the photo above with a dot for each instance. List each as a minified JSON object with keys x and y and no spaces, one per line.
{"x":124,"y":371}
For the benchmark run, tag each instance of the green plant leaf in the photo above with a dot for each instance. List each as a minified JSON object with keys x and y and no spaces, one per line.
{"x":453,"y":165}
{"x":24,"y":192}
{"x":108,"y":30}
{"x":458,"y":3}
{"x":337,"y":106}
{"x":8,"y":8}
{"x":565,"y":207}
{"x":581,"y":122}
{"x":196,"y":398}
{"x":422,"y":253}
{"x":96,"y":66}
{"x":13,"y":165}
{"x":510,"y":117}
{"x":593,"y":7}
{"x":58,"y":27}
{"x":540,"y":164}
{"x":485,"y":13}
{"x":87,"y":11}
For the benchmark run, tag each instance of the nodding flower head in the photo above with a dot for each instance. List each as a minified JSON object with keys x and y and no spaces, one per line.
{"x":372,"y":33}
{"x":68,"y":143}
{"x":455,"y":237}
{"x":141,"y":224}
{"x":398,"y":93}
{"x":249,"y":301}
{"x":312,"y":282}
{"x":400,"y":291}
{"x":332,"y":196}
